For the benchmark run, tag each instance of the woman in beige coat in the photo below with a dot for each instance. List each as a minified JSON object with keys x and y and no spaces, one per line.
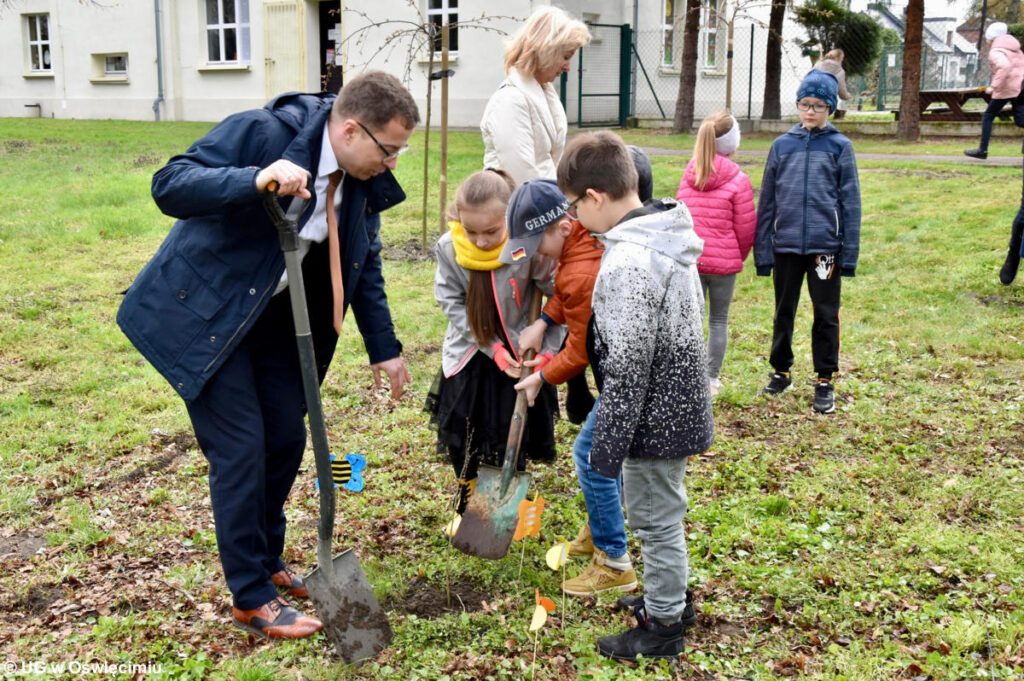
{"x":524,"y":123}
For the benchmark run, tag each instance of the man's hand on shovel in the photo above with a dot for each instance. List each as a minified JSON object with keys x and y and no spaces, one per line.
{"x":290,"y":178}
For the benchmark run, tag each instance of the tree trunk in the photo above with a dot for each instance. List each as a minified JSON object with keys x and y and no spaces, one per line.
{"x":772,"y":109}
{"x":683,"y":121}
{"x":909,"y":128}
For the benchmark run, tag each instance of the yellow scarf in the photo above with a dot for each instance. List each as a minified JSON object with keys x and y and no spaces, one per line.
{"x":471,"y":257}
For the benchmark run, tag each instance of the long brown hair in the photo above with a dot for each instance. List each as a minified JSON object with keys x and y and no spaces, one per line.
{"x":481,"y":309}
{"x":715,"y":125}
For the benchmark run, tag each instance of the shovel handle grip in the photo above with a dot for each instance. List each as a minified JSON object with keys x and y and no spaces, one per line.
{"x":287,"y":224}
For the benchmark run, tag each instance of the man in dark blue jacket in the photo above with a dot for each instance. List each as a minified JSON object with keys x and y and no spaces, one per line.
{"x":209,"y":313}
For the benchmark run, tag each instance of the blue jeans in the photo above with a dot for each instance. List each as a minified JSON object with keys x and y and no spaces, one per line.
{"x":603,"y":496}
{"x":656,"y":503}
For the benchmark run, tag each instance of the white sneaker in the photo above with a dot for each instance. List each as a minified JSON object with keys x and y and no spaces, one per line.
{"x":714,"y":385}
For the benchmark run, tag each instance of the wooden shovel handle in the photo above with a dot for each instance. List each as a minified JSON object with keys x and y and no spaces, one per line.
{"x":518,"y":425}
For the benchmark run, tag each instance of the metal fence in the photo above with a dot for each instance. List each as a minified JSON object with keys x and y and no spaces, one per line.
{"x":938,"y":72}
{"x":658,"y":59}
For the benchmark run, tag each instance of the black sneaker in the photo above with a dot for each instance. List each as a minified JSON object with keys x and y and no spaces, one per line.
{"x":651,"y":638}
{"x":976,"y":153}
{"x":1009,"y":271}
{"x":824,"y":397}
{"x":633,"y":601}
{"x":778,"y":383}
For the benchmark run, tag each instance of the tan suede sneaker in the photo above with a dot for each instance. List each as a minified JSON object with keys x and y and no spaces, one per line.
{"x":583,"y":544}
{"x":597,"y":577}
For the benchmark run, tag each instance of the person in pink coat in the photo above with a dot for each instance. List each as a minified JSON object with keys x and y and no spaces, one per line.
{"x":721,"y":202}
{"x":1007,"y":63}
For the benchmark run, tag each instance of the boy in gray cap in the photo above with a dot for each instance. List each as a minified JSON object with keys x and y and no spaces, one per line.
{"x":808,"y":223}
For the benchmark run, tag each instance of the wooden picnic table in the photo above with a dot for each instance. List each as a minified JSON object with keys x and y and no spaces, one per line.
{"x":951,"y":103}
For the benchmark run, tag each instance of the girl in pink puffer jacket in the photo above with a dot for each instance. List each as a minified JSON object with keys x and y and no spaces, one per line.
{"x":721,"y":202}
{"x":1007,"y":63}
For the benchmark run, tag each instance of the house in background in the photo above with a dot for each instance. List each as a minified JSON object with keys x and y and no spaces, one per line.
{"x":949,"y":59}
{"x":204,"y":59}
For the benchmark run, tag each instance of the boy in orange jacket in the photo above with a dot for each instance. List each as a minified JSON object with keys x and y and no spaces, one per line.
{"x":538,"y":222}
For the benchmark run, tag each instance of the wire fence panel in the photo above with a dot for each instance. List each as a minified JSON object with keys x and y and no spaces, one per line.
{"x":598,"y":77}
{"x":658,"y":57}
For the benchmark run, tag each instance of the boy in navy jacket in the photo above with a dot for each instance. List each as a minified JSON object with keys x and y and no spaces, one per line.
{"x":808,"y":223}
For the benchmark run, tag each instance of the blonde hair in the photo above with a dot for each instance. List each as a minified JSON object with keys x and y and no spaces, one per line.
{"x":835,"y":55}
{"x":704,"y":149}
{"x":546,"y":35}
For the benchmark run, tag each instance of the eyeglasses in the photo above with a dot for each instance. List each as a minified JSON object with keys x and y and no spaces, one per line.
{"x":807,"y":106}
{"x":388,"y":155}
{"x":571,"y":209}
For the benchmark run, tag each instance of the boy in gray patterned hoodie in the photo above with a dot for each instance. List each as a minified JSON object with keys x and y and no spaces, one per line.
{"x":646,"y":348}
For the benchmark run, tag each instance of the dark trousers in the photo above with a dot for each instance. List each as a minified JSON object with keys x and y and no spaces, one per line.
{"x":988,"y":119}
{"x":823,"y":285}
{"x":249,"y":423}
{"x":1013,"y":254}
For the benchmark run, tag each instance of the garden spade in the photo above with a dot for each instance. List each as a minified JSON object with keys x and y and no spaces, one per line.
{"x":490,"y":518}
{"x":352,"y":617}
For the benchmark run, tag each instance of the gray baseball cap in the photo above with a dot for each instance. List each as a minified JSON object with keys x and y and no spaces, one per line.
{"x":534,"y":206}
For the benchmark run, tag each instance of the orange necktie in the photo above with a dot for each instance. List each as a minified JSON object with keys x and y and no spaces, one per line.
{"x":334,"y":251}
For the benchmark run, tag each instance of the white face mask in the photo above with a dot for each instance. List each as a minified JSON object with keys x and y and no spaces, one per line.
{"x":729,"y":141}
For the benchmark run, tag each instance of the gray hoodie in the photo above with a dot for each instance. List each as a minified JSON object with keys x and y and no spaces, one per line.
{"x":648,"y":341}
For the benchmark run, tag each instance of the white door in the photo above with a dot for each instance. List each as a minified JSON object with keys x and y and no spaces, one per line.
{"x":284,"y":42}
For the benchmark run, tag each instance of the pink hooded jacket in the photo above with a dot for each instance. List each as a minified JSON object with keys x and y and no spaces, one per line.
{"x":1007,"y":64}
{"x":723,"y":215}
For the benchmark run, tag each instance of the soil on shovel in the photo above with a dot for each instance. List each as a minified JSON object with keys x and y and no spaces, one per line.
{"x":431,"y":600}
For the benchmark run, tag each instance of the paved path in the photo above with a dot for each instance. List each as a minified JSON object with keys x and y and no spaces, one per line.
{"x":747,"y":153}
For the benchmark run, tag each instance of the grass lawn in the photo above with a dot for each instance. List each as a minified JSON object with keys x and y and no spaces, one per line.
{"x":882,"y":542}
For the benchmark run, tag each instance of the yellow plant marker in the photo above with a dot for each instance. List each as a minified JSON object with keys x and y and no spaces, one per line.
{"x":529,"y":518}
{"x":557,"y":554}
{"x":540,"y":616}
{"x":452,"y":527}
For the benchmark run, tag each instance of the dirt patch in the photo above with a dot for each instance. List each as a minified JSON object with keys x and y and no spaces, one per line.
{"x":23,"y":547}
{"x":431,"y":600}
{"x":412,"y":250}
{"x":988,"y":301}
{"x":38,"y":600}
{"x":170,"y":448}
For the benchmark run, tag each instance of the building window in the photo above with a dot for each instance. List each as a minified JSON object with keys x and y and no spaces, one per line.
{"x":227,"y":31}
{"x":39,"y":42}
{"x":115,"y":65}
{"x":711,"y":36}
{"x":439,"y":13}
{"x":667,"y":31}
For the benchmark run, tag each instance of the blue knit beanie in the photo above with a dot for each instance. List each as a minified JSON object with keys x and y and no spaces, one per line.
{"x":820,"y":84}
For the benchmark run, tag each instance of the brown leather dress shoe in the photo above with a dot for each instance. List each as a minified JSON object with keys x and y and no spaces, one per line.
{"x":276,"y":619}
{"x":290,"y":582}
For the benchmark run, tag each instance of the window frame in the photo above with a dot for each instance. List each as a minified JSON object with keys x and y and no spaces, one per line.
{"x":38,"y":44}
{"x":240,"y":26}
{"x":709,"y":35}
{"x":668,"y":51}
{"x":436,"y":16}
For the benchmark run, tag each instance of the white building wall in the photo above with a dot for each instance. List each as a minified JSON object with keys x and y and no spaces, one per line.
{"x":194,"y":90}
